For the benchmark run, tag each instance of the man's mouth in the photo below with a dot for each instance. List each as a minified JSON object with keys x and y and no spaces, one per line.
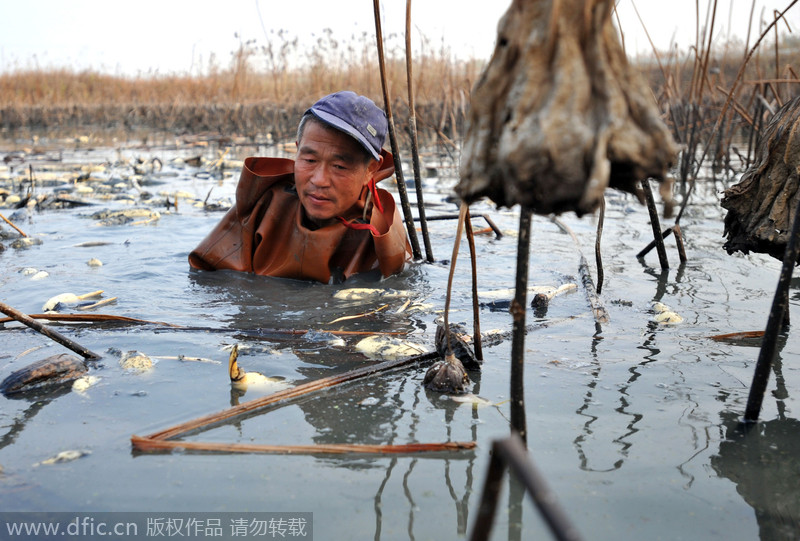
{"x":317,"y":198}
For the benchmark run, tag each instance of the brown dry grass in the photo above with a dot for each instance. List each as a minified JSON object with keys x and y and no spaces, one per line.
{"x":258,"y":92}
{"x":266,"y":88}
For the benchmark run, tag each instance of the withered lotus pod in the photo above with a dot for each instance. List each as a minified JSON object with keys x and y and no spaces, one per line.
{"x":761,"y":206}
{"x":558,"y":114}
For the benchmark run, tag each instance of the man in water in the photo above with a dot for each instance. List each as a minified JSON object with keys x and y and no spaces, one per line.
{"x":320,"y":217}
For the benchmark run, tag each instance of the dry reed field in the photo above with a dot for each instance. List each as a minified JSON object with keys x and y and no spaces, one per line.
{"x":709,"y":94}
{"x":258,"y":92}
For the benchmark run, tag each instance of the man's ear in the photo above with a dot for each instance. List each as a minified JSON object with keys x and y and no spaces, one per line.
{"x":373,"y":167}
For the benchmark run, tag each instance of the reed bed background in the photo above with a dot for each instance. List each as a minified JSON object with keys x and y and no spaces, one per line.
{"x":264,"y":89}
{"x":715,"y":97}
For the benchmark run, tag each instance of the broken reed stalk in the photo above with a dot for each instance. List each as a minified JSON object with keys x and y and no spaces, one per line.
{"x":476,"y":317}
{"x":148,"y":445}
{"x":286,"y":395}
{"x":676,"y":230}
{"x":412,"y":128}
{"x":6,"y":220}
{"x":654,"y":222}
{"x":646,"y":250}
{"x":90,"y":318}
{"x":692,"y":123}
{"x":261,"y":332}
{"x":598,"y":309}
{"x":498,"y":233}
{"x":518,"y":311}
{"x":53,"y":335}
{"x":737,"y":336}
{"x":598,"y":257}
{"x":398,"y":166}
{"x":780,"y":305}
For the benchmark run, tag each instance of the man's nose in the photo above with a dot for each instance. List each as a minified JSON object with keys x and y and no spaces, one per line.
{"x":319,"y":176}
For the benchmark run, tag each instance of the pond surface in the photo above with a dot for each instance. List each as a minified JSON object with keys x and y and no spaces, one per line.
{"x":633,"y":424}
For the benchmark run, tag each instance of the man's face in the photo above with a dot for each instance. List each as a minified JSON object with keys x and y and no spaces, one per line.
{"x":330,"y":172}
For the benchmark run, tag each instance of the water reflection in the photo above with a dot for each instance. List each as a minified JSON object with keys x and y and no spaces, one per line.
{"x":38,"y":400}
{"x":248,"y":302}
{"x":590,"y":401}
{"x":762,"y":460}
{"x":380,"y":410}
{"x":663,"y":281}
{"x":396,"y":418}
{"x":594,"y":391}
{"x":461,"y":501}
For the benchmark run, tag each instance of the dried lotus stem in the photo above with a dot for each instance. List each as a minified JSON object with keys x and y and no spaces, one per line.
{"x":50,"y":333}
{"x":6,"y":220}
{"x":146,"y":444}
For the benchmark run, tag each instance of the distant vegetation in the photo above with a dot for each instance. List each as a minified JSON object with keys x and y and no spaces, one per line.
{"x":266,"y":87}
{"x":257,"y":92}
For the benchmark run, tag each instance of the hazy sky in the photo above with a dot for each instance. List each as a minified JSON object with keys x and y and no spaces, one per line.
{"x":168,"y":36}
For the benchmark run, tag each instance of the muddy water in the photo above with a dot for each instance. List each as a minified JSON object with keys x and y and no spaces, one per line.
{"x":633,"y":424}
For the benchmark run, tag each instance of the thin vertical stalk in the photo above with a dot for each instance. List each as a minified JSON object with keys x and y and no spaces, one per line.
{"x":704,"y":62}
{"x":459,"y":230}
{"x":780,"y":304}
{"x":679,"y":242}
{"x":518,"y":312}
{"x":777,"y":64}
{"x":512,"y":454}
{"x":754,"y":129}
{"x":654,"y":222}
{"x":697,"y":49}
{"x":398,"y":168}
{"x":484,"y":521}
{"x":598,"y":257}
{"x":414,"y":148}
{"x":476,"y":312}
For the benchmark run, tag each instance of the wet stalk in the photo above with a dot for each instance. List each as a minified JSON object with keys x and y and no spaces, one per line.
{"x":518,"y":422}
{"x":398,"y":167}
{"x":512,"y":454}
{"x":476,"y":319}
{"x":780,"y":306}
{"x":654,"y":222}
{"x":50,"y":333}
{"x":598,"y":257}
{"x":412,"y":128}
{"x":679,"y":242}
{"x":20,"y":231}
{"x":459,"y":230}
{"x":285,"y":396}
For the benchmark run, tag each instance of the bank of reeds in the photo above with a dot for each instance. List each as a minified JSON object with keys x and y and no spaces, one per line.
{"x":258,"y":93}
{"x":267,"y":87}
{"x":717,"y":98}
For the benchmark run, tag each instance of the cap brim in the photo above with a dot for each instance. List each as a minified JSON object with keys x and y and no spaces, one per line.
{"x":341,"y":125}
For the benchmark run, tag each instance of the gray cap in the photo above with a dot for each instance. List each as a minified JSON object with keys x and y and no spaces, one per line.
{"x":357,"y":116}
